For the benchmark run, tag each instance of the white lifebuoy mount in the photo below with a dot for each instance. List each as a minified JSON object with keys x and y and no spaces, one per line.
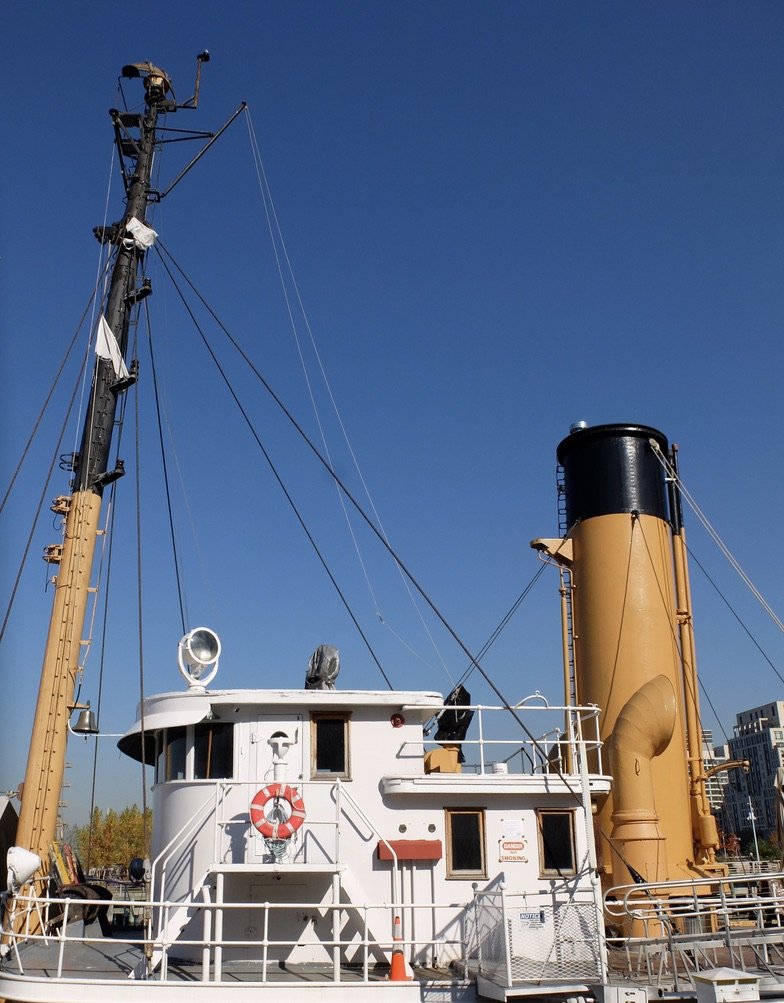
{"x":277,"y":811}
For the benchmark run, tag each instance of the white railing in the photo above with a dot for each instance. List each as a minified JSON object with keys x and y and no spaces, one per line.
{"x":219,"y":810}
{"x":671,"y":930}
{"x":557,"y":736}
{"x":262,"y":953}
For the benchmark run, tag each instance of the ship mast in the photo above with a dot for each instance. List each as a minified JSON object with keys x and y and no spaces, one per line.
{"x":136,"y":137}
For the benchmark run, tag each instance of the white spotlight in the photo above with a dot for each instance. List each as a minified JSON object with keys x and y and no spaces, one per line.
{"x":21,"y":865}
{"x":196,"y":652}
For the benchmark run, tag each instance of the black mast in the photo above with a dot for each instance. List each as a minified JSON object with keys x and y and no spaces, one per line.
{"x":136,"y":135}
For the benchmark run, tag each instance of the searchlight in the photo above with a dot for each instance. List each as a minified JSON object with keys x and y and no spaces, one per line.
{"x":198,"y":653}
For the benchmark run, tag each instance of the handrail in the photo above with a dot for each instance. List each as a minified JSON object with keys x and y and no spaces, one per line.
{"x":180,"y":834}
{"x":343,"y":793}
{"x":628,"y":899}
{"x":580,"y":721}
{"x":208,"y":942}
{"x":174,"y":843}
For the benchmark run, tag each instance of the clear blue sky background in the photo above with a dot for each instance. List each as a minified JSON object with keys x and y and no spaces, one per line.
{"x":503,"y":217}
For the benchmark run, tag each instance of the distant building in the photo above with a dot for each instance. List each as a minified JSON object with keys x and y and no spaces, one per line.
{"x":716,"y":782}
{"x":758,"y":736}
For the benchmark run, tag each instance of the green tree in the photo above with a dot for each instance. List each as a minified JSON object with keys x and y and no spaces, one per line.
{"x":113,"y":839}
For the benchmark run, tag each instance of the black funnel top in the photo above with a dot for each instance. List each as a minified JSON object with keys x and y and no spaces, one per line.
{"x":609,"y":469}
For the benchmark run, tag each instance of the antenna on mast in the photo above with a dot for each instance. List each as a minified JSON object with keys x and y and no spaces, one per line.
{"x":192,"y":102}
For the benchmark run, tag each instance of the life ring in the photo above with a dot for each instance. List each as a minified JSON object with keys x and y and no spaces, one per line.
{"x":276,"y":827}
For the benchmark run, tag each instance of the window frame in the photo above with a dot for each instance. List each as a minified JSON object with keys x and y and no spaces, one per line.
{"x":216,"y":732}
{"x":165,"y":760}
{"x":315,"y":718}
{"x":555,"y":872}
{"x":453,"y":873}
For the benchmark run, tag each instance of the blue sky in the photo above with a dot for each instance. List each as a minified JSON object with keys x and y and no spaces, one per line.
{"x":503,"y":217}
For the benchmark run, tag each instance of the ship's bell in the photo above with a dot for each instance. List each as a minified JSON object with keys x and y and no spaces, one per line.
{"x":86,"y":723}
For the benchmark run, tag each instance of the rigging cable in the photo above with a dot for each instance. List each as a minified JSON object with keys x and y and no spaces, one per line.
{"x":276,"y":237}
{"x":101,"y":661}
{"x":46,"y":403}
{"x":39,"y":507}
{"x":101,"y":276}
{"x":678,"y":651}
{"x":274,"y":470}
{"x":503,"y":622}
{"x":140,"y":617}
{"x":175,"y":551}
{"x":159,"y":247}
{"x":675,"y":477}
{"x":735,"y":613}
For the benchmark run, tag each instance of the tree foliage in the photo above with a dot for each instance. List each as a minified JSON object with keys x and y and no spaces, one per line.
{"x":113,"y":839}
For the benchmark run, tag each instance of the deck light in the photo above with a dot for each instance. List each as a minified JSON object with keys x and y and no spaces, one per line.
{"x":21,"y":865}
{"x":198,"y":651}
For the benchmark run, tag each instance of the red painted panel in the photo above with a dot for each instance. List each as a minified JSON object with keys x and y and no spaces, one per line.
{"x":412,"y":849}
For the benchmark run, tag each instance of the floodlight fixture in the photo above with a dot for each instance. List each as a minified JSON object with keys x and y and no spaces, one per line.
{"x":198,"y":653}
{"x":21,"y":865}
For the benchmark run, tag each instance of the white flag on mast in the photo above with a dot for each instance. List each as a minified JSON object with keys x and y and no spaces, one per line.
{"x":107,"y":348}
{"x":143,"y":236}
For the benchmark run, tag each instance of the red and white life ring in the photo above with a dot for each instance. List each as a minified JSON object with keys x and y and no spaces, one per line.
{"x":275,"y":827}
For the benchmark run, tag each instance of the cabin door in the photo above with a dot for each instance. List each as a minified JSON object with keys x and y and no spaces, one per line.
{"x":273,"y":742}
{"x":272,"y":749}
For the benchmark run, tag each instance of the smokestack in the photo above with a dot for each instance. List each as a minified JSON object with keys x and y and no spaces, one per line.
{"x":625,"y":633}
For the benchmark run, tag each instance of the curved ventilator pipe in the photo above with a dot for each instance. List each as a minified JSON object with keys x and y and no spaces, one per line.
{"x":642,"y":731}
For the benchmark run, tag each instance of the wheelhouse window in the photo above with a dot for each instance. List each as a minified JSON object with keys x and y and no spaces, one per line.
{"x":557,"y":853}
{"x":329,"y":745}
{"x":465,"y":843}
{"x":213,"y":751}
{"x":174,"y":752}
{"x":203,"y":751}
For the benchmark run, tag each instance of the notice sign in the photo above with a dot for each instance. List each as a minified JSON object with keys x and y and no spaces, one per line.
{"x":510,"y":850}
{"x":512,"y":844}
{"x":533,"y":920}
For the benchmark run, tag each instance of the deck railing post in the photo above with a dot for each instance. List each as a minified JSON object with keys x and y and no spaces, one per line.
{"x":365,"y":944}
{"x":336,"y":928}
{"x":63,"y":932}
{"x":265,"y":942}
{"x":206,"y":935}
{"x":218,"y":963}
{"x":165,"y":915}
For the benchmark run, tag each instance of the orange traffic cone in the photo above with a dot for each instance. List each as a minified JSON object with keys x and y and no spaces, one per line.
{"x":397,"y":969}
